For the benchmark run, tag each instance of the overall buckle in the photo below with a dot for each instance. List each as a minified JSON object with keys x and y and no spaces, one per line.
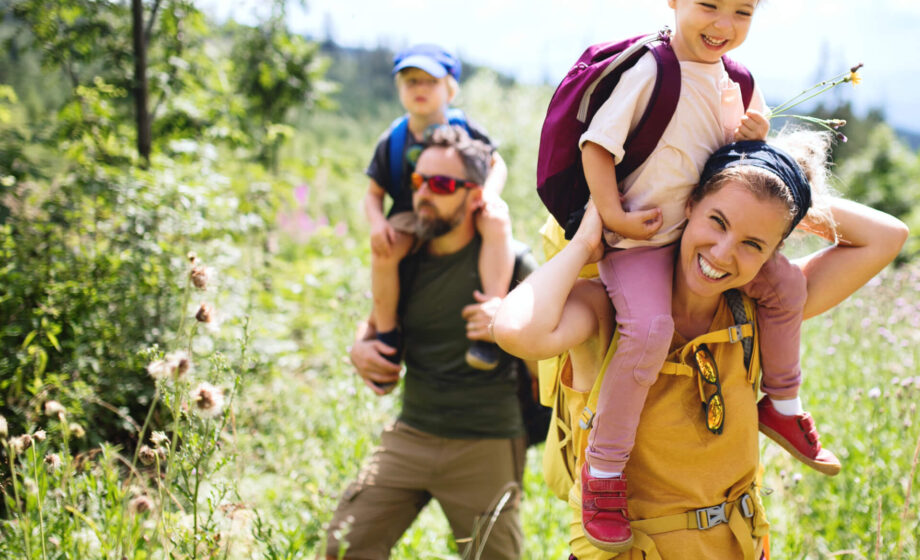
{"x":713,"y":516}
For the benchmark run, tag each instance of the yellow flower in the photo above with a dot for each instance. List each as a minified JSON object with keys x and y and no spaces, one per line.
{"x":854,"y":78}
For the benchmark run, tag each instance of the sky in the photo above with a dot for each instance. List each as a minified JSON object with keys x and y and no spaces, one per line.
{"x":792,"y":43}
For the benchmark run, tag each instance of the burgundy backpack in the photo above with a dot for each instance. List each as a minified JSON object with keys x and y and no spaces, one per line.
{"x":560,"y":178}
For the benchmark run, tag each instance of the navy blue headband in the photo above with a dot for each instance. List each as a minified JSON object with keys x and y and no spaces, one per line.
{"x":760,"y":154}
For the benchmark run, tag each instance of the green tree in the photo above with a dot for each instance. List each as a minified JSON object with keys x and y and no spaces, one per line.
{"x":885,"y":174}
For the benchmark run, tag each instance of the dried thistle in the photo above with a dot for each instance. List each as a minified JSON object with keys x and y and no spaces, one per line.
{"x":158,"y":439}
{"x":4,"y":429}
{"x":200,"y":276}
{"x":208,"y":400}
{"x":54,"y":408}
{"x":147,"y":455}
{"x":19,"y":444}
{"x":53,"y":461}
{"x":140,"y":504}
{"x":204,"y":314}
{"x":39,"y":436}
{"x":76,"y":430}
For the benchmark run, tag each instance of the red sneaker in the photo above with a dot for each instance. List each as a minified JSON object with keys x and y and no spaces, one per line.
{"x":603,"y":512}
{"x":797,"y":435}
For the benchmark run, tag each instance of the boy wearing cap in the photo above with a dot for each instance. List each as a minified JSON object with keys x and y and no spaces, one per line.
{"x":426,"y":82}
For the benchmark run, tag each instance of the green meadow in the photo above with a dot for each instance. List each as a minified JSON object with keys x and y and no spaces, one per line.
{"x":174,"y":379}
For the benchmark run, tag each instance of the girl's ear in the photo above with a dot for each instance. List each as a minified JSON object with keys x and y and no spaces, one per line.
{"x":688,"y":208}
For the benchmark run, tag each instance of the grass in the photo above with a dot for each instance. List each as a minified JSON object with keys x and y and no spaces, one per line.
{"x":262,"y":479}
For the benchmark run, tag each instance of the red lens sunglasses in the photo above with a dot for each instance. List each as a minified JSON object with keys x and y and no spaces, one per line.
{"x":441,"y":184}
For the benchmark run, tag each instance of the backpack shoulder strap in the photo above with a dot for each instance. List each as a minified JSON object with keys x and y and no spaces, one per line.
{"x":661,"y":106}
{"x":743,"y":313}
{"x":396,"y":145}
{"x":457,"y":117}
{"x":742,"y":76}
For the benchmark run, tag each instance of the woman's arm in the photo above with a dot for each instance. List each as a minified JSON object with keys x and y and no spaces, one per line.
{"x":544,"y":316}
{"x":867,"y":240}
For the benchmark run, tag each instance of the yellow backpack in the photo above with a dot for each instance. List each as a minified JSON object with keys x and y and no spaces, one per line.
{"x":567,"y":438}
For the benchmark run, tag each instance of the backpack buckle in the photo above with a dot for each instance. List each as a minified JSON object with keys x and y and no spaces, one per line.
{"x":735,"y":334}
{"x":709,"y":517}
{"x":747,"y":505}
{"x":664,"y":34}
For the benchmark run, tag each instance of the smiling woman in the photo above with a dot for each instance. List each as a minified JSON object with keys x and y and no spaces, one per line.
{"x":684,"y":503}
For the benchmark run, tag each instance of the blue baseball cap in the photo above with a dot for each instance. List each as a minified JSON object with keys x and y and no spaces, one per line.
{"x":430,"y":58}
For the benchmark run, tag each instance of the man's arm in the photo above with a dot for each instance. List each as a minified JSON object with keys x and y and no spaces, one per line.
{"x":368,"y":356}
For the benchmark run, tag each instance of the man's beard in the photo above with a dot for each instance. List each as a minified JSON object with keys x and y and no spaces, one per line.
{"x":428,"y":228}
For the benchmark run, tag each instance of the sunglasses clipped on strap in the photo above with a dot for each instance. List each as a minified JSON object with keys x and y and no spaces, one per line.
{"x":708,"y":378}
{"x":441,"y":184}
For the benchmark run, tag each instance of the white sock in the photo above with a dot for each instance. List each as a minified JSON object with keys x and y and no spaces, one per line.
{"x":603,"y":474}
{"x":788,"y":407}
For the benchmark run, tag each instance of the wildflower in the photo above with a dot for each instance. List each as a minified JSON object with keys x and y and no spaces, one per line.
{"x":854,"y":76}
{"x":832,"y":125}
{"x":199,"y":276}
{"x":874,"y":393}
{"x":179,"y":363}
{"x":796,"y":478}
{"x":140,"y":504}
{"x":192,"y":257}
{"x":4,"y":429}
{"x":158,"y":369}
{"x":77,"y":430}
{"x":20,"y":443}
{"x":54,"y":408}
{"x":147,"y":455}
{"x":204,"y":314}
{"x":39,"y":435}
{"x":208,"y":399}
{"x":841,"y":137}
{"x":53,"y":461}
{"x":158,"y":439}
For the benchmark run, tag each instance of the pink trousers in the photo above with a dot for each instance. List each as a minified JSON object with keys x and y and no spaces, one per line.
{"x":638,"y":282}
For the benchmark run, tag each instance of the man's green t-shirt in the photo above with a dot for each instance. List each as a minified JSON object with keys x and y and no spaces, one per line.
{"x":442,"y":394}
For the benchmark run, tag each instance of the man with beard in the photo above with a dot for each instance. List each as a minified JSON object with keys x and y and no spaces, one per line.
{"x":459,"y":437}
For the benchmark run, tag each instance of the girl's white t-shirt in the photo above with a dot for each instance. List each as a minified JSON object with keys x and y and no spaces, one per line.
{"x":708,"y":111}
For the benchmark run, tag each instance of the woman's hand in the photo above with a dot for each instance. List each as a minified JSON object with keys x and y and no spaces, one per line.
{"x":590,"y":233}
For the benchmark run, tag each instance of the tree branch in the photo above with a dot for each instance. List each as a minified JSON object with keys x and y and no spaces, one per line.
{"x":153,"y":17}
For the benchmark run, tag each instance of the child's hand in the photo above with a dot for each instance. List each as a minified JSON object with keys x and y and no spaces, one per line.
{"x":382,"y":238}
{"x":754,"y":126}
{"x":493,"y":220}
{"x":638,"y":224}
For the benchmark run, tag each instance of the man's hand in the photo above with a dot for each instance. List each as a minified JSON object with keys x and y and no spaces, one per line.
{"x":479,"y":316}
{"x":368,"y":357}
{"x":754,"y":126}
